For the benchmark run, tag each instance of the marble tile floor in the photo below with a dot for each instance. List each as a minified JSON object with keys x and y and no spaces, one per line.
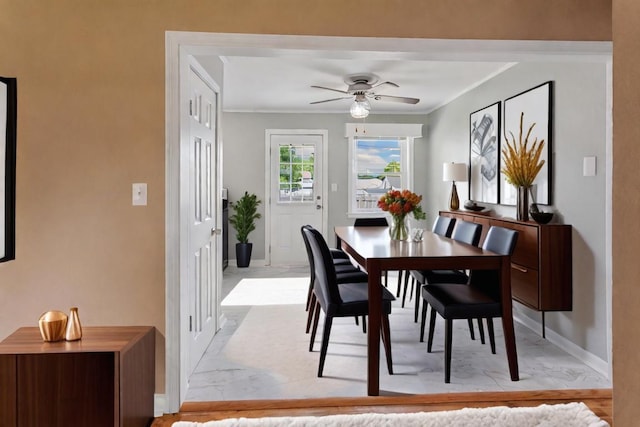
{"x":261,"y":352}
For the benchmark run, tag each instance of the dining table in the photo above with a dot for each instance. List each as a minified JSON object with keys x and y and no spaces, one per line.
{"x":374,"y":250}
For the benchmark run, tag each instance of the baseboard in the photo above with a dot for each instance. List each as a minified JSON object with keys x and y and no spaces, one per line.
{"x":159,"y":405}
{"x":253,"y":263}
{"x":576,"y":351}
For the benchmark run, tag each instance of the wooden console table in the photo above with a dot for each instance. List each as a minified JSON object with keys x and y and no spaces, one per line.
{"x":105,"y":379}
{"x":541,"y":265}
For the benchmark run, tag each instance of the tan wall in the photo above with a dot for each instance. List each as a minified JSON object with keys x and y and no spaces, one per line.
{"x":626,"y":203}
{"x":91,"y":122}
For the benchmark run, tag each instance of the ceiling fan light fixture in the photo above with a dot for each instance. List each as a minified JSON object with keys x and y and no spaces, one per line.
{"x":360,"y":109}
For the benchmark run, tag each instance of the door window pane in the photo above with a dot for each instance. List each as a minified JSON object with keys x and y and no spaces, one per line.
{"x":296,"y":173}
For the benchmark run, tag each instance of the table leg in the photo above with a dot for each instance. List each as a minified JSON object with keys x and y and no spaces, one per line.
{"x":373,"y":334}
{"x":507,"y":319}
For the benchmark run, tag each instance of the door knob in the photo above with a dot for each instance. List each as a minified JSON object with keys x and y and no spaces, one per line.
{"x":215,"y":231}
{"x":318,"y":207}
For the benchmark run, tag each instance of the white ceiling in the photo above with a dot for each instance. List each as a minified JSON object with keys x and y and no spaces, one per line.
{"x":275,"y":73}
{"x":271,"y":84}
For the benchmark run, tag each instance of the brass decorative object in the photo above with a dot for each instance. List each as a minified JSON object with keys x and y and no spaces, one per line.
{"x":53,"y":325}
{"x":74,"y":329}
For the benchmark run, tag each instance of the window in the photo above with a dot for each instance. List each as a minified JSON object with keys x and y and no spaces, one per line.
{"x":378,"y":162}
{"x":296,"y":164}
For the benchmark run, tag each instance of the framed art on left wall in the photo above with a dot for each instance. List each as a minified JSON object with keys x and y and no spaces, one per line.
{"x":8,"y":124}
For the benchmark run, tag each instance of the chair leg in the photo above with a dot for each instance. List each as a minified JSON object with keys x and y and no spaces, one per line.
{"x":328,"y":321}
{"x":386,"y":340}
{"x":399,"y":284}
{"x":309,"y":295}
{"x":424,"y":320}
{"x":406,"y":285}
{"x":481,"y":330}
{"x":413,"y":284}
{"x":386,"y":278}
{"x":492,"y":338}
{"x":417,"y":302}
{"x":364,"y":324}
{"x":312,"y":307}
{"x":471,"y":333}
{"x":314,"y":329}
{"x":448,"y":335}
{"x":432,"y":327}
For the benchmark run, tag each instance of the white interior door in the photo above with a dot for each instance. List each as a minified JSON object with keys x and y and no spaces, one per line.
{"x":296,"y":189}
{"x":204,"y":215}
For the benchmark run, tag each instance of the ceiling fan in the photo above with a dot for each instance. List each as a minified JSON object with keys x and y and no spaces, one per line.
{"x":364,"y":87}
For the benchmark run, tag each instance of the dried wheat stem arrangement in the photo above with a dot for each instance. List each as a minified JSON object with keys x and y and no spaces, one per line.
{"x":521,"y":163}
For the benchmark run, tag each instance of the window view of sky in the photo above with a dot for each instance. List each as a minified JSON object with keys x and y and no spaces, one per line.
{"x":374,"y":155}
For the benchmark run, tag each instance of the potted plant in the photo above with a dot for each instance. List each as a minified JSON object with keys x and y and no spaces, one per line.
{"x":243,"y":220}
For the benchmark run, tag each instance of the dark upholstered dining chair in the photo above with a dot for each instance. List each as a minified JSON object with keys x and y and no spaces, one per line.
{"x":479,"y":299}
{"x":464,"y":232}
{"x":340,"y":300}
{"x":345,"y":273}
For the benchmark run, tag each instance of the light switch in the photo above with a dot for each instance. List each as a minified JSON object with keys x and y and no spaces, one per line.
{"x":139,"y":194}
{"x":334,"y":187}
{"x":589,"y":166}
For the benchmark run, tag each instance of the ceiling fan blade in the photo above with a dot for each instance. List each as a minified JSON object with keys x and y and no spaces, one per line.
{"x":328,"y":88}
{"x":401,"y":99}
{"x":332,"y":99}
{"x":392,"y":84}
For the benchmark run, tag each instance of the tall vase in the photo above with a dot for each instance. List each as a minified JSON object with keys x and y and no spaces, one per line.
{"x":74,"y":329}
{"x":398,"y":228}
{"x":522,"y":204}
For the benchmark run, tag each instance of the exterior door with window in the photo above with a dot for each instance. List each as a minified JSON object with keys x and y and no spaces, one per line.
{"x":296,"y":191}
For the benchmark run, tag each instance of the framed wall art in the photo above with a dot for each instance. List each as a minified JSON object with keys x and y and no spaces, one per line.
{"x":484,"y":154}
{"x":536,"y":104}
{"x":8,"y":122}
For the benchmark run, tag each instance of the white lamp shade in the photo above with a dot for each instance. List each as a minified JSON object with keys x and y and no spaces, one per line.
{"x":454,"y":172}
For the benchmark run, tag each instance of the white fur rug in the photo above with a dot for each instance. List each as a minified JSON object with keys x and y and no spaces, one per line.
{"x":562,"y":415}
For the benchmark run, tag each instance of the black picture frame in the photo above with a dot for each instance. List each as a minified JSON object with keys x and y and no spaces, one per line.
{"x":537,"y":105}
{"x":8,"y":126}
{"x":484,"y":154}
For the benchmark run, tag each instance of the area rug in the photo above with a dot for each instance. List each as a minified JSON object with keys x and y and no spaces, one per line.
{"x":563,"y":415}
{"x":271,"y":291}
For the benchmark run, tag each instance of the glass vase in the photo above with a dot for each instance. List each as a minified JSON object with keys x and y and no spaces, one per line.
{"x":398,"y":228}
{"x":522,"y":204}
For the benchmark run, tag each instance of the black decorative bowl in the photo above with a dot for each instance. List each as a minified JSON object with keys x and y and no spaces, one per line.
{"x":541,"y":217}
{"x":472,"y":206}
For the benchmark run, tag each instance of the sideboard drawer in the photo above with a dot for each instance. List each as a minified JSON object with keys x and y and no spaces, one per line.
{"x":524,"y":285}
{"x":526,"y":251}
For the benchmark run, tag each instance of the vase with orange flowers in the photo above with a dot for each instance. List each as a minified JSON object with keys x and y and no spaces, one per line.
{"x":399,"y":204}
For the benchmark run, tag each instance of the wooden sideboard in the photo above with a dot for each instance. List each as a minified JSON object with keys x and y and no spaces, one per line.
{"x":541,"y":266}
{"x":105,"y":379}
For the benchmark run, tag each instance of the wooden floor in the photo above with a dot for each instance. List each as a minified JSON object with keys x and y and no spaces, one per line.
{"x":599,"y":400}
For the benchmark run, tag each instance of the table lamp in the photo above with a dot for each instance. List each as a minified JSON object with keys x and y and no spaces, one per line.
{"x":454,"y":172}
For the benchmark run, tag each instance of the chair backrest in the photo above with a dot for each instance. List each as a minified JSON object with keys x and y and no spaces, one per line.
{"x":443,"y":225}
{"x":370,"y":222}
{"x":307,"y":246}
{"x":501,"y":241}
{"x":325,"y":284}
{"x":467,"y":232}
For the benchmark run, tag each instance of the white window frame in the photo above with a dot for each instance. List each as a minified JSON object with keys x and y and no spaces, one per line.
{"x":406,"y":133}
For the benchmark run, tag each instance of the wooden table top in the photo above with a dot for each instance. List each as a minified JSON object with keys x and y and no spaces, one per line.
{"x":95,"y":339}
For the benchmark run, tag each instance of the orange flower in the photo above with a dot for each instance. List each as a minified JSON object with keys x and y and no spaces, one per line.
{"x":400,"y":203}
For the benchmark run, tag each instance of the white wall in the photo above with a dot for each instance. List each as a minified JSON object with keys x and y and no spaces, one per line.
{"x":244,"y":163}
{"x":578,"y":131}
